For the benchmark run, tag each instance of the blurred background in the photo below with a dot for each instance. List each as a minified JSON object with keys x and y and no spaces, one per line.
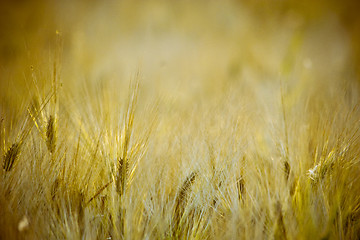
{"x":185,"y":50}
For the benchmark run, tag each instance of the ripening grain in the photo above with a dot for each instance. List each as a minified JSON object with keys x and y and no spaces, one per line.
{"x":179,"y":120}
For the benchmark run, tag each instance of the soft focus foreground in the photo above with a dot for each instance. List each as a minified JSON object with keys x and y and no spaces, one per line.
{"x":179,"y":119}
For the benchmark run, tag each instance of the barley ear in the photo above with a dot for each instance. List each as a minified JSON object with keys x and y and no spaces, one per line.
{"x":240,"y":185}
{"x":181,"y":201}
{"x":10,"y":156}
{"x":280,"y":230}
{"x":121,"y":176}
{"x":287,"y":169}
{"x":51,"y":134}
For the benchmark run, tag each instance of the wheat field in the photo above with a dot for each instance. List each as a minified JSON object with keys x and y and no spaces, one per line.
{"x":179,"y":120}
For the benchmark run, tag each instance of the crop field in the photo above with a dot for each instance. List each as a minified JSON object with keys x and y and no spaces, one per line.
{"x":166,"y":119}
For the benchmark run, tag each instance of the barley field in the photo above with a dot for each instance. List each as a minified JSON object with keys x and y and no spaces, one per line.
{"x":182,"y":119}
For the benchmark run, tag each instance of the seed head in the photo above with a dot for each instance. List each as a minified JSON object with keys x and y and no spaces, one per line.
{"x":10,"y":156}
{"x":51,"y":134}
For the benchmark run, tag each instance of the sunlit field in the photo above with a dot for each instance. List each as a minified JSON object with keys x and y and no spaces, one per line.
{"x":179,"y":119}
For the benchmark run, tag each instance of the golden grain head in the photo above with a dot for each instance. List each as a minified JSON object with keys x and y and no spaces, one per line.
{"x":122,"y":175}
{"x":287,"y":169}
{"x":186,"y":186}
{"x":51,"y":134}
{"x":181,"y":202}
{"x":240,"y":185}
{"x":10,"y":156}
{"x":182,"y":195}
